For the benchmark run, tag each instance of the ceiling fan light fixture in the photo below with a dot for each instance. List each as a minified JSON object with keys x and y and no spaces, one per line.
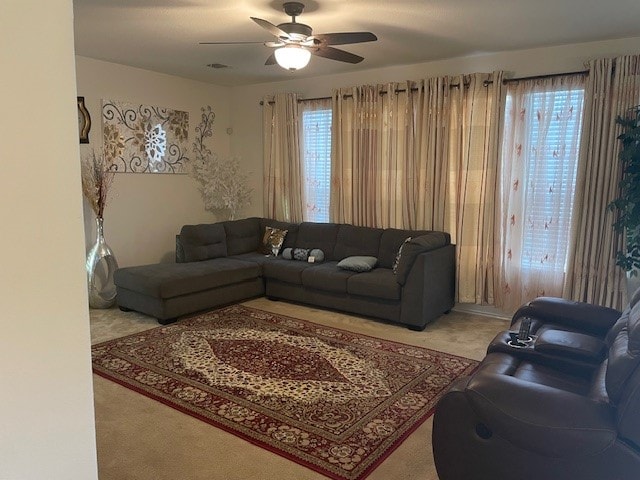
{"x":292,"y":57}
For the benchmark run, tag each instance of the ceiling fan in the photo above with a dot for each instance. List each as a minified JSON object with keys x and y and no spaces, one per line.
{"x":295,"y":42}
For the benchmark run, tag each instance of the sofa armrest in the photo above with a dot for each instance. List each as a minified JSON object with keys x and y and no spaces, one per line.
{"x":581,"y":316}
{"x":430,"y":287}
{"x":539,"y":418}
{"x":179,"y":250}
{"x":414,"y":247}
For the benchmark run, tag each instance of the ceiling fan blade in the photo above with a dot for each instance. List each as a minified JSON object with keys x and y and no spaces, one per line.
{"x":271,"y":60}
{"x":345,"y":38}
{"x":271,"y":28}
{"x":229,"y":43}
{"x":274,"y":44}
{"x":335,"y":54}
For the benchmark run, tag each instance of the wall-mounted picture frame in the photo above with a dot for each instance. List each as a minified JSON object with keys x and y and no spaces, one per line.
{"x":84,"y":121}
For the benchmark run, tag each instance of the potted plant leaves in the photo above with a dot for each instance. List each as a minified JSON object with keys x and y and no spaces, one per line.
{"x":627,"y":205}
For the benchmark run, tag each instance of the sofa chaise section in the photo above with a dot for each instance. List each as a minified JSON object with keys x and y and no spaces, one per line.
{"x":169,"y":290}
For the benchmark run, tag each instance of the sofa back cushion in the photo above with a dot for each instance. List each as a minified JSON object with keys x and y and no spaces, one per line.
{"x":318,"y":235}
{"x":243,"y":236}
{"x":390,"y":242}
{"x":357,"y":241}
{"x":291,"y":228}
{"x":202,"y":242}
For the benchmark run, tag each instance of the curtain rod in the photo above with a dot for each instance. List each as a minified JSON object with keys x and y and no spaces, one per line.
{"x":457,"y":85}
{"x":539,"y":77}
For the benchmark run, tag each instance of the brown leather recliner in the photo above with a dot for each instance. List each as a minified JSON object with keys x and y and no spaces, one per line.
{"x":551,"y":313}
{"x":568,"y":411}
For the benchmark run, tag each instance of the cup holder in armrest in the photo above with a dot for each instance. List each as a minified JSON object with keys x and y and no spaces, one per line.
{"x":505,"y":343}
{"x":522,"y":343}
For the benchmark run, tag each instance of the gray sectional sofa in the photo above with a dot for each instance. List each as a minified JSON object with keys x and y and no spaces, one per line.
{"x":222,"y":263}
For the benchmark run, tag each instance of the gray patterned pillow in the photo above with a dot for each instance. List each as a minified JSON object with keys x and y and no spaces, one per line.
{"x":358,"y":263}
{"x":301,"y":254}
{"x":317,"y":254}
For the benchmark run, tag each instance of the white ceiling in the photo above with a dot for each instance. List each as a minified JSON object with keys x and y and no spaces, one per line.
{"x":163,"y":35}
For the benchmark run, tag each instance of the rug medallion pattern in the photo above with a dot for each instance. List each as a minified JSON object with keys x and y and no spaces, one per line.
{"x":335,"y":401}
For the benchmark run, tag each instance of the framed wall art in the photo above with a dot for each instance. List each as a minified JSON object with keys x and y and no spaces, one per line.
{"x":143,"y":138}
{"x":84,"y":121}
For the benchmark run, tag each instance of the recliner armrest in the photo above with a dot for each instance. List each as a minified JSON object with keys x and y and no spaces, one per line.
{"x":539,"y":418}
{"x":572,"y":345}
{"x":582,"y":316}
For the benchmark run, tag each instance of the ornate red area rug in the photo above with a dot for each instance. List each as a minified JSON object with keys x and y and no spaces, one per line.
{"x":334,"y":401}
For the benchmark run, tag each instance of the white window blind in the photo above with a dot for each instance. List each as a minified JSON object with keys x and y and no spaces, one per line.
{"x":550,"y":172}
{"x":316,"y":152}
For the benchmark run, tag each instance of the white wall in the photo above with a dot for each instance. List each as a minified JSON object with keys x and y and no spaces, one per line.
{"x":46,"y":405}
{"x":146,"y":211}
{"x":247,"y":113}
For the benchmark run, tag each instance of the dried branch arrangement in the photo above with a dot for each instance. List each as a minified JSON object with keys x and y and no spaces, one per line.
{"x":96,"y":181}
{"x":221,"y":182}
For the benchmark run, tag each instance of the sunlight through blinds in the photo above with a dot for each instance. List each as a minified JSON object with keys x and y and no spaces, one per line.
{"x":316,"y":148}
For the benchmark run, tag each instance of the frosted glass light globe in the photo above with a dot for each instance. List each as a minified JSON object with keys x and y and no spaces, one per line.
{"x":292,"y":57}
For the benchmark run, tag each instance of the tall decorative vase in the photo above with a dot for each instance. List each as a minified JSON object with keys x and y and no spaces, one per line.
{"x":101,"y":265}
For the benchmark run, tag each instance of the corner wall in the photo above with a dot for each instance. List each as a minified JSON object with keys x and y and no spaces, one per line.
{"x":46,"y":405}
{"x":146,"y":211}
{"x":246,"y":141}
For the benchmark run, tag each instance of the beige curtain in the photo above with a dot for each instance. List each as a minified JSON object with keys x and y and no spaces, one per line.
{"x":428,"y":185}
{"x":283,"y":193}
{"x":473,"y":155}
{"x":540,"y":148}
{"x":612,"y":88}
{"x":423,"y":156}
{"x":394,"y":167}
{"x":369,"y":167}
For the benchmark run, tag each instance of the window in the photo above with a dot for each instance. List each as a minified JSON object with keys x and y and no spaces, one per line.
{"x":540,"y":150}
{"x":550,"y":173}
{"x":316,"y":157}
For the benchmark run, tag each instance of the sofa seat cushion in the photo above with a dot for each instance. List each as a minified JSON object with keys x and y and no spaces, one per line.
{"x":167,"y":280}
{"x":550,"y":377}
{"x":327,"y":277}
{"x":288,"y":271}
{"x":379,"y":282}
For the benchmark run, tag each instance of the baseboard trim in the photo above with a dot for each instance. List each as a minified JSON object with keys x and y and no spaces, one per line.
{"x":483,"y":310}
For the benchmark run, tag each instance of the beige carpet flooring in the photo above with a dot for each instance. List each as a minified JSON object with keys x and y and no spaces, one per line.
{"x":141,"y":439}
